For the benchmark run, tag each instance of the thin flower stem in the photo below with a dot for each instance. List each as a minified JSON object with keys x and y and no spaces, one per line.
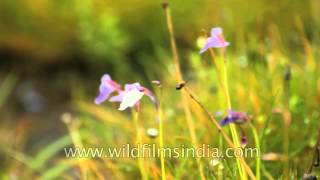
{"x":233,"y":129}
{"x":163,"y":170}
{"x":139,"y":142}
{"x":221,"y":131}
{"x":225,"y":88}
{"x":161,"y":139}
{"x":223,"y":82}
{"x":226,"y":84}
{"x":218,"y":73}
{"x":179,"y":77}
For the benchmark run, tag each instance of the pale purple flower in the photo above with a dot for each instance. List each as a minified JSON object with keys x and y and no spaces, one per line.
{"x":131,"y":95}
{"x":106,"y":87}
{"x":235,"y":117}
{"x":216,"y":40}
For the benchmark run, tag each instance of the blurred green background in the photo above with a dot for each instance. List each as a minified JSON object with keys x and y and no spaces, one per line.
{"x":53,"y":53}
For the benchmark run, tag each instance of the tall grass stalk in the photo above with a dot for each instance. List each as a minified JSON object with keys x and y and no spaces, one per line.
{"x":179,"y":77}
{"x":257,"y":144}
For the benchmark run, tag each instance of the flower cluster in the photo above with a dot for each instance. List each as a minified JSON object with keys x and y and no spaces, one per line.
{"x":130,"y":96}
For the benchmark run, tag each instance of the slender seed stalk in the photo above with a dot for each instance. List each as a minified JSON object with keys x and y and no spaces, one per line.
{"x":221,"y":131}
{"x":139,"y":142}
{"x":174,"y":49}
{"x":179,"y":77}
{"x":286,"y":122}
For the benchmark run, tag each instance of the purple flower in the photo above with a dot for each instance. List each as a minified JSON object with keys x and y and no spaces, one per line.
{"x":131,"y":95}
{"x":106,"y":87}
{"x":235,"y":117}
{"x":215,"y":41}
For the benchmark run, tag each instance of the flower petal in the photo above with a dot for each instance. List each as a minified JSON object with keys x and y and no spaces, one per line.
{"x":130,"y":99}
{"x":205,"y":47}
{"x":214,"y":42}
{"x":216,"y":31}
{"x":225,"y":121}
{"x":132,"y":86}
{"x":105,"y":78}
{"x":107,"y":86}
{"x":101,"y":97}
{"x":148,"y":93}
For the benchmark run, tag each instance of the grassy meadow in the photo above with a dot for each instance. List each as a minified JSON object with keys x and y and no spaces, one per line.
{"x":53,"y":55}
